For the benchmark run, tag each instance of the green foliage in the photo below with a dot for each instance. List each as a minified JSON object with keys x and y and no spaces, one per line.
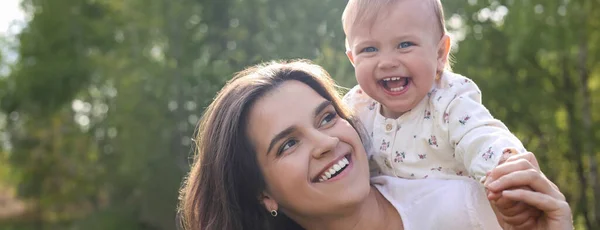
{"x":536,"y":72}
{"x":100,"y":108}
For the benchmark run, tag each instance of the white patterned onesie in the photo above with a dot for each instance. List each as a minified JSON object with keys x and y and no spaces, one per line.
{"x":449,"y":134}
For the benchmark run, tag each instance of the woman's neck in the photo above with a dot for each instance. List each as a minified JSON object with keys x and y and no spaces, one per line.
{"x":375,"y":212}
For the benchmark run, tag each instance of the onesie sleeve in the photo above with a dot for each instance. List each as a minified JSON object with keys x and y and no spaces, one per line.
{"x":478,"y":138}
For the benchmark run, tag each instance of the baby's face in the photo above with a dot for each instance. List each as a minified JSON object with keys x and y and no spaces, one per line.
{"x":396,"y":57}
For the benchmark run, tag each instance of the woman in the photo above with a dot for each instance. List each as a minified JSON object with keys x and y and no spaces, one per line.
{"x":278,"y":150}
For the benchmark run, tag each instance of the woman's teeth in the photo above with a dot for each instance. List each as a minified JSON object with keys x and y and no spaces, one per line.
{"x":335,"y":169}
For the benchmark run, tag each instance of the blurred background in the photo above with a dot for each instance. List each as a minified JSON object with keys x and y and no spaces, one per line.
{"x":99,"y":98}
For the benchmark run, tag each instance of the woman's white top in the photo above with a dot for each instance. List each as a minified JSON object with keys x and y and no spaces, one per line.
{"x":438,"y":204}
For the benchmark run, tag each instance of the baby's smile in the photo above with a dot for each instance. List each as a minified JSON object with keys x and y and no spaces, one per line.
{"x":395,"y":85}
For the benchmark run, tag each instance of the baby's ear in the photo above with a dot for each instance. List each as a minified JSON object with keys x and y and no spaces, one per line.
{"x":443,"y":52}
{"x":350,"y":57}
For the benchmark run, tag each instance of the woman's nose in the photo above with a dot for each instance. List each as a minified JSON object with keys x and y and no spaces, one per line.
{"x":324,"y":144}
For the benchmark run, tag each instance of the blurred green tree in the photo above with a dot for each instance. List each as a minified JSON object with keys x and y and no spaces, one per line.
{"x":101,"y":105}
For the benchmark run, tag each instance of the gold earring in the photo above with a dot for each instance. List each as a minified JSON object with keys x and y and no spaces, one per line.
{"x":274,"y":213}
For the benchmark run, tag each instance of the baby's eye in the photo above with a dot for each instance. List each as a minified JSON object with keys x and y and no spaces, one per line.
{"x":406,"y":44}
{"x":369,"y":49}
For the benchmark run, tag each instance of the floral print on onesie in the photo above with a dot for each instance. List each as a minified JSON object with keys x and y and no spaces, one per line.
{"x":449,"y":134}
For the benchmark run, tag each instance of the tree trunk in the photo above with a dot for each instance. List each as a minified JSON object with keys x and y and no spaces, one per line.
{"x":575,"y":140}
{"x":586,"y":117}
{"x":39,"y":209}
{"x":175,"y":36}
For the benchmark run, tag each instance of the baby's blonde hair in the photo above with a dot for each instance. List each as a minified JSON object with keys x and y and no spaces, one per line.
{"x":361,"y":11}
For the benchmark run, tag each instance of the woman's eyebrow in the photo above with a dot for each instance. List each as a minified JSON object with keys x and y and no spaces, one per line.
{"x":280,"y":136}
{"x":322,"y":107}
{"x":291,"y":129}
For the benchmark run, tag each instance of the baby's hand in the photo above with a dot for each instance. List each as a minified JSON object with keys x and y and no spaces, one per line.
{"x":515,"y":213}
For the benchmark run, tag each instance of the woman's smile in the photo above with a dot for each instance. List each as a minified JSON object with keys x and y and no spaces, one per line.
{"x":335,"y":170}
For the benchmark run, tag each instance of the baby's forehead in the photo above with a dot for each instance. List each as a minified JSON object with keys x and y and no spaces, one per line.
{"x":421,"y":12}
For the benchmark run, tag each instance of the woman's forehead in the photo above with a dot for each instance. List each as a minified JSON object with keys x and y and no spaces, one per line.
{"x":290,"y":96}
{"x":293,"y":103}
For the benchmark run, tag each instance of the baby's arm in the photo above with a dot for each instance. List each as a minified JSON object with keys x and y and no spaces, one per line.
{"x":480,"y":141}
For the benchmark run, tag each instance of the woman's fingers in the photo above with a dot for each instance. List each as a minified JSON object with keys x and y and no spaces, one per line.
{"x":557,"y":213}
{"x":510,"y":207}
{"x":521,"y":161}
{"x":517,"y":213}
{"x":521,"y":221}
{"x":528,"y":185}
{"x":528,"y":225}
{"x":530,"y":177}
{"x":544,"y":202}
{"x":493,"y":195}
{"x":509,"y":167}
{"x":518,"y":162}
{"x":529,"y":156}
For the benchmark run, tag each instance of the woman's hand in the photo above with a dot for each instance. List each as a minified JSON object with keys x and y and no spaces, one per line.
{"x":519,"y":179}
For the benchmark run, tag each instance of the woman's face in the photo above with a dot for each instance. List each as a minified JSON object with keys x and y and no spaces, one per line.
{"x":313,"y":161}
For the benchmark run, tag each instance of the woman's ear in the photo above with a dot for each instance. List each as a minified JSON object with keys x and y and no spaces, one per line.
{"x":269,"y":203}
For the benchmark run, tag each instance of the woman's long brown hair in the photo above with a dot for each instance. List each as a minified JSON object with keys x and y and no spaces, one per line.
{"x":223,"y":189}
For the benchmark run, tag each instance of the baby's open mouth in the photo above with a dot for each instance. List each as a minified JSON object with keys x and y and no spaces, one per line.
{"x":394,"y":84}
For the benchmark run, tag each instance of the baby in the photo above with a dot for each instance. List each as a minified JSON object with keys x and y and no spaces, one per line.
{"x":424,"y":120}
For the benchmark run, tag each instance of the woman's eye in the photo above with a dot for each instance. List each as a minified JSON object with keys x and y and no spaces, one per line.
{"x":287,"y":145}
{"x":406,"y":44}
{"x":369,"y":49}
{"x":328,"y":118}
